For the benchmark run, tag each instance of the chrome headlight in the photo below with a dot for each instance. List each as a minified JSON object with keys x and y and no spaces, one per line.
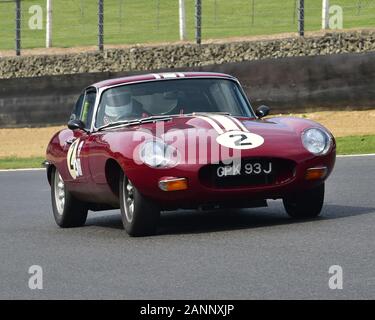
{"x":158,"y":154}
{"x":317,"y":141}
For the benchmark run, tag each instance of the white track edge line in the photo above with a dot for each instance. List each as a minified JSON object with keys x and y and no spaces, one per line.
{"x":355,"y":155}
{"x":25,"y":169}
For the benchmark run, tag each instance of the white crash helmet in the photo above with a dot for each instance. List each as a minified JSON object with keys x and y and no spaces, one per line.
{"x":118,"y":105}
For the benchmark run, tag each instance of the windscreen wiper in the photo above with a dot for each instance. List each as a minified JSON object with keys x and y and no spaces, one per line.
{"x":155,"y":118}
{"x":118,"y":123}
{"x":208,"y":112}
{"x":135,"y":121}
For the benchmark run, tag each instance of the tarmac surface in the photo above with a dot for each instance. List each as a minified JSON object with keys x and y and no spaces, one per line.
{"x":232,"y":254}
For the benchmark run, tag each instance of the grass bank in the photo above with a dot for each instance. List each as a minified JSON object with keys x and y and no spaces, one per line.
{"x":21,"y":163}
{"x":356,"y":144}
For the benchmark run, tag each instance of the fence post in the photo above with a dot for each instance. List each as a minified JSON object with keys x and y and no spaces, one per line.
{"x":198,"y":21}
{"x":301,"y":18}
{"x":325,"y":14}
{"x":100,"y":25}
{"x":18,"y":27}
{"x":49,"y":24}
{"x":252,"y":12}
{"x":182,"y":20}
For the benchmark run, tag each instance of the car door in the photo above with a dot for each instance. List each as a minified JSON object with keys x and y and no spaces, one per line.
{"x":75,"y":145}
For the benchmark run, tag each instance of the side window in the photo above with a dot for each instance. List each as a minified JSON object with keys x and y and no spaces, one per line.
{"x":77,"y":108}
{"x":88,"y":108}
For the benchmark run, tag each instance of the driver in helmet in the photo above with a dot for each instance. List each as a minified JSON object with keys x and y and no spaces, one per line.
{"x":120,"y":106}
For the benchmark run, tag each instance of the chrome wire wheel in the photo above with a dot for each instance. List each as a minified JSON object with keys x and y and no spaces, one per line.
{"x":128,"y":198}
{"x":59,"y":193}
{"x":139,"y":214}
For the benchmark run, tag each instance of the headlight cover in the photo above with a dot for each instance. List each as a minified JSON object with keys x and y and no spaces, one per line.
{"x":317,"y":141}
{"x":157,"y":154}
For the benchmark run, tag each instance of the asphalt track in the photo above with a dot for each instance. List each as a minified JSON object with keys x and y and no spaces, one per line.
{"x":239,"y":254}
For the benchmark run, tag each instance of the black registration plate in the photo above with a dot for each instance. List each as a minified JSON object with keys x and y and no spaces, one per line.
{"x":242,"y":173}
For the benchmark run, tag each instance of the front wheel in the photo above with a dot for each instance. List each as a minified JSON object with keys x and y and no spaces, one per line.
{"x":68,"y":211}
{"x":139,"y":214}
{"x":306,"y":204}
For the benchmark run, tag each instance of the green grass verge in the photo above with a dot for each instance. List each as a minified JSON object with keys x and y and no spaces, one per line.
{"x":20,"y":163}
{"x":145,"y":21}
{"x":356,"y":145}
{"x":345,"y":145}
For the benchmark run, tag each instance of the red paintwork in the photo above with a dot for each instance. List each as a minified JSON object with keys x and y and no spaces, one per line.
{"x":282,"y":140}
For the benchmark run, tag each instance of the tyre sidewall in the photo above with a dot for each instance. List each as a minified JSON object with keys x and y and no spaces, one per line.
{"x":145,"y":214}
{"x":74,"y":213}
{"x":59,"y":218}
{"x":307,"y":204}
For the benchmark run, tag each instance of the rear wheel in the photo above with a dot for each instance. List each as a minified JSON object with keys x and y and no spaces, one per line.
{"x":306,"y":204}
{"x":67,"y":210}
{"x":139,"y":214}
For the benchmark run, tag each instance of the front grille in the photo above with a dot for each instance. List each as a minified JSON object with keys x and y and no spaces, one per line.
{"x":251,"y":172}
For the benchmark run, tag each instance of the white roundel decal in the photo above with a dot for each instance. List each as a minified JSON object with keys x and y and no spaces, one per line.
{"x":240,"y":140}
{"x":73,"y":160}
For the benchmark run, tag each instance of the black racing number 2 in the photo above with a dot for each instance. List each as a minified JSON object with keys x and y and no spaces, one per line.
{"x":241,"y":139}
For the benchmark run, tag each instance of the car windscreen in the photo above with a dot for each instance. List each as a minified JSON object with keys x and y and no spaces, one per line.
{"x":171,"y":97}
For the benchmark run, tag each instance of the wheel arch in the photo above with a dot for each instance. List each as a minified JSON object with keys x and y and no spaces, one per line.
{"x":50,"y":169}
{"x":113,"y":171}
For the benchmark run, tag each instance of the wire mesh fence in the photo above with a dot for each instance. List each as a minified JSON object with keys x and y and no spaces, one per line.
{"x":76,"y":23}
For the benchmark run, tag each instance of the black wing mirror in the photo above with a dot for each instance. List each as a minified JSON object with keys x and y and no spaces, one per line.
{"x":262,"y":111}
{"x":76,"y":124}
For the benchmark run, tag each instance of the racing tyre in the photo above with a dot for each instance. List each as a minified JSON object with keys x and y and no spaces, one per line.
{"x":307,"y":204}
{"x":140,"y":215}
{"x":67,"y":210}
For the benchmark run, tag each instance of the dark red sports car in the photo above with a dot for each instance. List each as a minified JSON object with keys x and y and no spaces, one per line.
{"x":167,"y":141}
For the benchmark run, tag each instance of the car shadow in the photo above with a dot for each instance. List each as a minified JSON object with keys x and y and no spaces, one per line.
{"x":110,"y":219}
{"x":186,"y":221}
{"x":223,"y":220}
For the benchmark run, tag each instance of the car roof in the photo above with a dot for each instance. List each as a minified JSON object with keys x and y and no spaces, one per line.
{"x":159,"y":76}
